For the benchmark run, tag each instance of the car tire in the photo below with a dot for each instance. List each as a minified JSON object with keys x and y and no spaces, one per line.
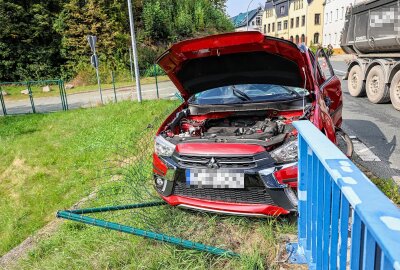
{"x":377,"y":92}
{"x":354,"y":82}
{"x":395,"y":91}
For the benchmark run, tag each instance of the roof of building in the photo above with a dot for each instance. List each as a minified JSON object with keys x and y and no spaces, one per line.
{"x":241,"y":19}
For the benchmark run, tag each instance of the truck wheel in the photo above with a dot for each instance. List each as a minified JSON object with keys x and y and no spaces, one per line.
{"x":354,"y":82}
{"x":377,"y":91}
{"x":395,"y":91}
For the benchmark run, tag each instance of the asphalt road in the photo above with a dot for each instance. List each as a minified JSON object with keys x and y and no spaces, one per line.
{"x":376,"y":126}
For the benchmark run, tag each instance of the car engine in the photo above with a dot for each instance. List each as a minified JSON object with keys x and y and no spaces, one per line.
{"x":260,"y":128}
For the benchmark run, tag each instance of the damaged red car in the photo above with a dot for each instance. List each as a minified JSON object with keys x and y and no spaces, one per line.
{"x":230,"y":147}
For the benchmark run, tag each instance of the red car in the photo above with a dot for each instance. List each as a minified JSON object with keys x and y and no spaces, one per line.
{"x":231,"y":147}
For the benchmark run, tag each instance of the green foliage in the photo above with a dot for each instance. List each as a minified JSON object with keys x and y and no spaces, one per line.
{"x":47,"y":39}
{"x":156,"y":22}
{"x":29,"y":47}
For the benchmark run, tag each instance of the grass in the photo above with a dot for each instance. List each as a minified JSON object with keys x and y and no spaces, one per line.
{"x":389,"y":188}
{"x":14,"y":91}
{"x":49,"y":162}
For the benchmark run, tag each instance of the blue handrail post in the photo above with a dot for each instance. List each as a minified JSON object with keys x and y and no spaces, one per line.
{"x":335,"y":197}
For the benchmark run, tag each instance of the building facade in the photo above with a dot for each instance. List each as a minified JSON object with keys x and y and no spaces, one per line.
{"x":334,"y":13}
{"x":254,"y":20}
{"x":299,"y":21}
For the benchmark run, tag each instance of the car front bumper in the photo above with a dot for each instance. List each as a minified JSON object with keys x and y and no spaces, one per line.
{"x":263,"y":194}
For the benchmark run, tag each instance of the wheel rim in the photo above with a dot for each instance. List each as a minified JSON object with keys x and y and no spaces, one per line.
{"x":374,"y":84}
{"x":354,"y":81}
{"x":397,"y":91}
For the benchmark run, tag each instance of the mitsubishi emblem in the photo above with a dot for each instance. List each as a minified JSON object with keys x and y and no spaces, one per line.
{"x":213,"y":164}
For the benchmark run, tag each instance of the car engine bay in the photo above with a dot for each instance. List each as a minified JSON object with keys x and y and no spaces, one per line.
{"x":266,"y":128}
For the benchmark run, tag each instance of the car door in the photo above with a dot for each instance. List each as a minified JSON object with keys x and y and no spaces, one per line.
{"x":329,"y":86}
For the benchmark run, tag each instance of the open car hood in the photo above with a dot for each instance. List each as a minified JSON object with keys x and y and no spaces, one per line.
{"x":234,"y":58}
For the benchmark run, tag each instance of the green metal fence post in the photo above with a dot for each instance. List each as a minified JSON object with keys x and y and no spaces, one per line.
{"x":155,"y":75}
{"x":61,"y":95}
{"x":31,"y":97}
{"x":3,"y":105}
{"x":113,"y":83}
{"x":65,"y":95}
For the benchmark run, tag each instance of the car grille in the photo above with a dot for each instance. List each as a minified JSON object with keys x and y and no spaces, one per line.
{"x":240,"y":162}
{"x":255,"y":195}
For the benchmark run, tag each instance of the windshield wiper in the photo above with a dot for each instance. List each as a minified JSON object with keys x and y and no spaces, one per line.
{"x":243,"y":96}
{"x":291,"y":91}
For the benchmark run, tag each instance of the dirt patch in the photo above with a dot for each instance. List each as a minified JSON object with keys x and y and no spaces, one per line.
{"x":15,"y":175}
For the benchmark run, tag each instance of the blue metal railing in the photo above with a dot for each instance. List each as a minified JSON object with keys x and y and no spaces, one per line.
{"x":345,"y":221}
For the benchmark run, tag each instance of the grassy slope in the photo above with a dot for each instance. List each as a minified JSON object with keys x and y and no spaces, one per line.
{"x":48,"y":162}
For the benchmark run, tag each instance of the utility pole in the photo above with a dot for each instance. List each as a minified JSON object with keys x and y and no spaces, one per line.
{"x":134,"y":50}
{"x":131,"y":63}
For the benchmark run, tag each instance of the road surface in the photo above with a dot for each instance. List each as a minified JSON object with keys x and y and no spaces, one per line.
{"x":376,"y":128}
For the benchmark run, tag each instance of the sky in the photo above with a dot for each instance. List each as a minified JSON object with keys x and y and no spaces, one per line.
{"x":234,"y":7}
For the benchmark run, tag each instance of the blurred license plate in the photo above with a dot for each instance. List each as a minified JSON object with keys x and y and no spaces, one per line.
{"x":205,"y":178}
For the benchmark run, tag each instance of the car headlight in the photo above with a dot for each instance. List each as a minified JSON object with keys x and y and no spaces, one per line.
{"x":162,"y":147}
{"x":286,"y":152}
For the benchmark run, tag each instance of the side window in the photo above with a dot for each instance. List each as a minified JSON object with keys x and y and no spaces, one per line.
{"x":324,"y":66}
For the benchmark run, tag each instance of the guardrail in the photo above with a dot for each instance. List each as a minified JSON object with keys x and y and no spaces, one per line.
{"x":345,"y":221}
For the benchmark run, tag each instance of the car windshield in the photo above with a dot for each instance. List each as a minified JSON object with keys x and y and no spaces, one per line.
{"x":247,"y":93}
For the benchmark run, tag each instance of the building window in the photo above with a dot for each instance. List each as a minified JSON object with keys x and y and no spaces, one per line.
{"x":342,"y":13}
{"x":252,"y":23}
{"x":258,"y":20}
{"x":291,"y":38}
{"x":268,"y":13}
{"x":265,"y":28}
{"x":303,"y":20}
{"x":317,"y":19}
{"x":297,"y":21}
{"x":331,"y":17}
{"x":337,"y":14}
{"x":282,"y":9}
{"x":285,"y":25}
{"x":269,"y":27}
{"x":303,"y":38}
{"x":291,"y":23}
{"x":316,"y":38}
{"x":297,"y":39}
{"x":334,"y":42}
{"x":279,"y":26}
{"x":326,"y":18}
{"x":273,"y":27}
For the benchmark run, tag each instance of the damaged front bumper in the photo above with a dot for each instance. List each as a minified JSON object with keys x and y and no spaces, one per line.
{"x":263,"y":193}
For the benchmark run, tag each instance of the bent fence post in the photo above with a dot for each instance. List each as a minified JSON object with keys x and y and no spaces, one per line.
{"x":345,"y":221}
{"x":78,"y":216}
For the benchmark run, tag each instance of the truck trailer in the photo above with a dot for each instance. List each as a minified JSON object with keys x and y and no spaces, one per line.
{"x":372,"y":34}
